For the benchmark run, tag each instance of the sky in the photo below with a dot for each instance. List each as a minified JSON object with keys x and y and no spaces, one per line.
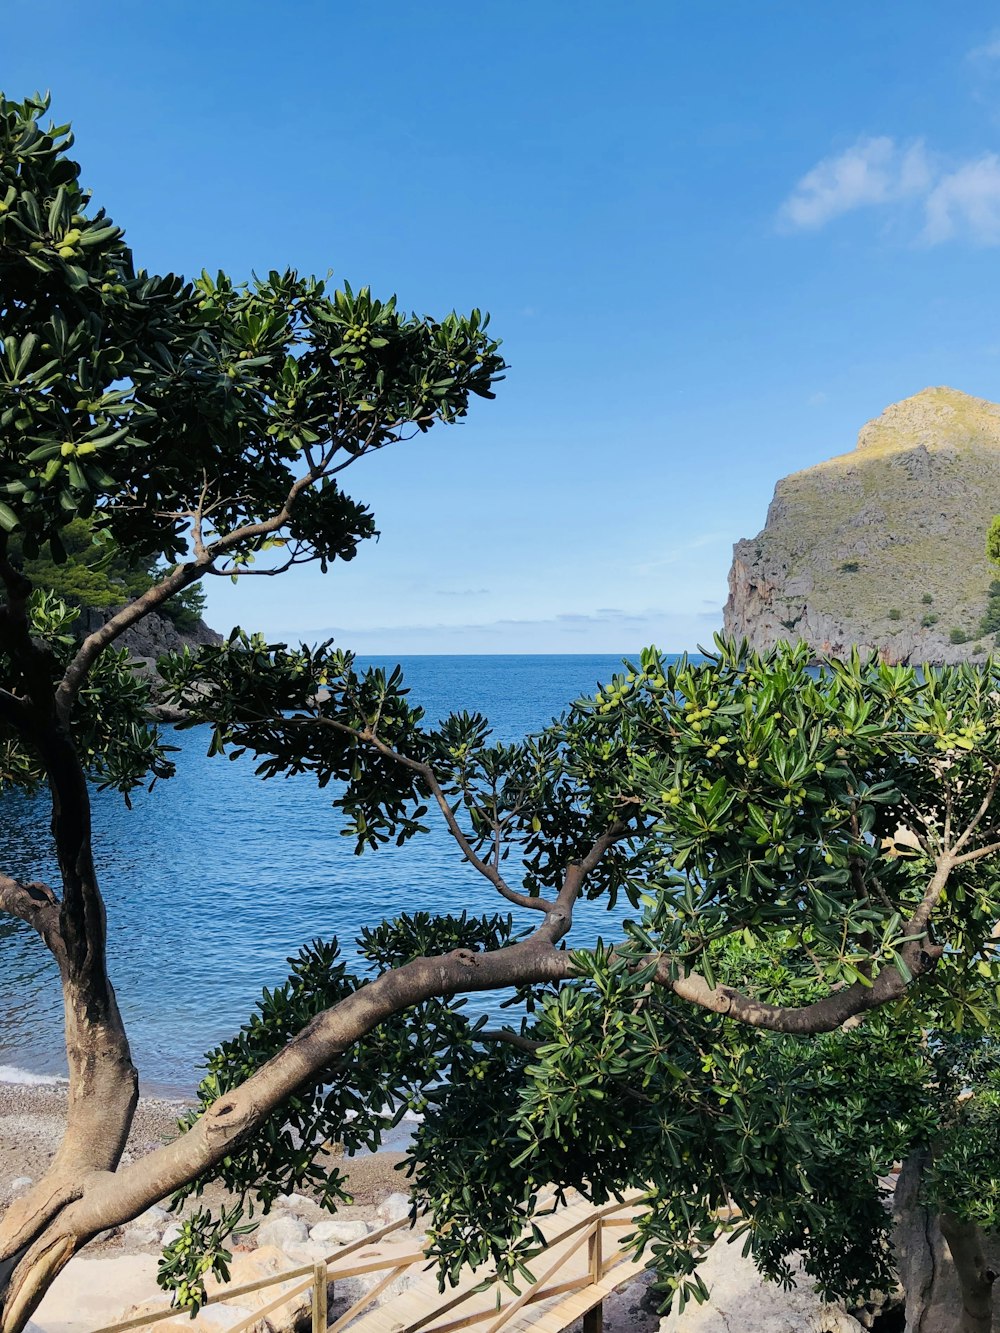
{"x":715,"y":239}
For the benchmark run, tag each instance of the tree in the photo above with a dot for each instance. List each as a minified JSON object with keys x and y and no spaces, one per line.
{"x":94,"y":575}
{"x":847,"y":822}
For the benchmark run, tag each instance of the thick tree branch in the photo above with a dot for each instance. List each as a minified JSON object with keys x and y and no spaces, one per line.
{"x":918,"y":954}
{"x":37,"y":905}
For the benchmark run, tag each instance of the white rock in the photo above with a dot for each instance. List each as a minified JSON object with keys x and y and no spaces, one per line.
{"x":90,"y":1293}
{"x":739,"y":1298}
{"x":283,"y":1231}
{"x":153,"y":1217}
{"x":310,"y":1252}
{"x":170,"y":1235}
{"x":393,"y":1208}
{"x":294,"y":1202}
{"x":265,"y":1262}
{"x":141,"y":1236}
{"x":20,"y":1183}
{"x":338,"y":1232}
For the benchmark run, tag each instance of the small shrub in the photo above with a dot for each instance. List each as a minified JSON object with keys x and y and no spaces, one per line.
{"x":895,"y":614}
{"x":930,"y":619}
{"x":849,"y":567}
{"x":957,"y":635}
{"x":927,"y":599}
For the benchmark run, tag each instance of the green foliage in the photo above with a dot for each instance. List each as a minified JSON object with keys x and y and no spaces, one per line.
{"x":849,"y":567}
{"x":956,"y":635}
{"x":930,"y":619}
{"x":199,"y":1252}
{"x":93,"y":575}
{"x":927,"y":599}
{"x":993,"y":541}
{"x":895,"y":614}
{"x":990,"y":623}
{"x":757,"y":797}
{"x":129,"y":398}
{"x":117,"y":744}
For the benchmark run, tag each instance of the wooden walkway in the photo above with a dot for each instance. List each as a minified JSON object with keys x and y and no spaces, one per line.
{"x":582,"y":1263}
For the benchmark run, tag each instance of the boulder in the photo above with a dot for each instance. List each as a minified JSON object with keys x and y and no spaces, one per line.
{"x":296,"y":1203}
{"x":90,"y":1293}
{"x":138,"y":1236}
{"x":739,"y":1298}
{"x":393,"y":1208}
{"x":282,"y":1231}
{"x":268,"y":1261}
{"x":338,"y":1232}
{"x":309,"y":1252}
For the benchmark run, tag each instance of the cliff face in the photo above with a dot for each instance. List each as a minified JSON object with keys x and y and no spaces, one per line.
{"x":882,"y":547}
{"x":153,"y":636}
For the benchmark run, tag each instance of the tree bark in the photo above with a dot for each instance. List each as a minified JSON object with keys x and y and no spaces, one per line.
{"x":975,"y":1279}
{"x":942,"y":1262}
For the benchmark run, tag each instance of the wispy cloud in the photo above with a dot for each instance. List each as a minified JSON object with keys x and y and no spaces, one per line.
{"x":872,"y":171}
{"x":988,"y":51}
{"x":966,"y":202}
{"x":947,"y":201}
{"x":679,"y":553}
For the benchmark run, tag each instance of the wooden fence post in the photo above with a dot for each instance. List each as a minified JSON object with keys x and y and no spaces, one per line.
{"x":319,"y":1311}
{"x":593,"y":1320}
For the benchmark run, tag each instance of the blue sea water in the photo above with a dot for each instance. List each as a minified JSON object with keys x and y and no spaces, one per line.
{"x":215,"y":877}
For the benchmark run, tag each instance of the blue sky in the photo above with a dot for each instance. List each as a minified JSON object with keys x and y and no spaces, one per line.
{"x":715,"y":239}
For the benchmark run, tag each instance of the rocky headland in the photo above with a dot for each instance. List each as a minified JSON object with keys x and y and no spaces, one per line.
{"x":882,"y":547}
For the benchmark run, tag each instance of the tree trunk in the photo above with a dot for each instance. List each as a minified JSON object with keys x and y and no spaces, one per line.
{"x":943,"y":1263}
{"x":975,"y":1279}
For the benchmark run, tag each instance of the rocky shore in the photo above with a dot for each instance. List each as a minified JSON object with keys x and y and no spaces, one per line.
{"x":114,"y":1277}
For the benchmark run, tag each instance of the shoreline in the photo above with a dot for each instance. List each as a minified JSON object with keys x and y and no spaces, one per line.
{"x":33,"y":1116}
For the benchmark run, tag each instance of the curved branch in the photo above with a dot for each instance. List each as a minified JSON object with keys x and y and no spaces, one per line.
{"x":426,"y":772}
{"x":182,"y":576}
{"x":37,"y":905}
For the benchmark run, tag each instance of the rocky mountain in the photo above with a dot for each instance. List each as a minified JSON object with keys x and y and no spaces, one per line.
{"x":883,"y":547}
{"x":153,"y":636}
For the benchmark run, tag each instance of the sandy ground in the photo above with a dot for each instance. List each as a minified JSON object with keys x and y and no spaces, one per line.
{"x":32,"y":1118}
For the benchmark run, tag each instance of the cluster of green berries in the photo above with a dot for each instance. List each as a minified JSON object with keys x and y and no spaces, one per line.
{"x":358,"y":334}
{"x":962,"y":738}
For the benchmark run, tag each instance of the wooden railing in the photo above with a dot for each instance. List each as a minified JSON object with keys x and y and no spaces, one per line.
{"x":322,"y":1276}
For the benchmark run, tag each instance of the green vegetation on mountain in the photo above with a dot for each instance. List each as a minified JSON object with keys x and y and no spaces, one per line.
{"x":96,"y":576}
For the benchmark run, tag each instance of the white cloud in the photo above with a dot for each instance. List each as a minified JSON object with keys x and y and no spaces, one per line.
{"x":872,"y":171}
{"x":966,"y":202}
{"x":988,"y":51}
{"x":958,"y":201}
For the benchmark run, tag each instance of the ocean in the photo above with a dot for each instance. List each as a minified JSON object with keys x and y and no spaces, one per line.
{"x":214,"y":878}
